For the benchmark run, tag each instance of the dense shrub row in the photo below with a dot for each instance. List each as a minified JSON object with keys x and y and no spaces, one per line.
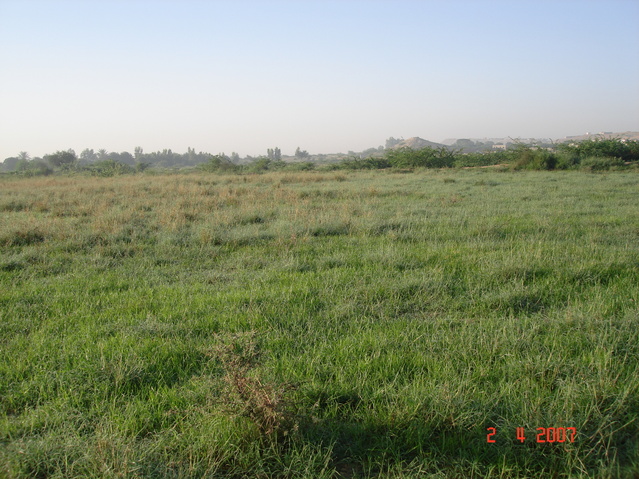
{"x":593,"y":155}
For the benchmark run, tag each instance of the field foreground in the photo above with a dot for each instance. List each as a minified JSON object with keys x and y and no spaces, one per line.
{"x":320,"y":325}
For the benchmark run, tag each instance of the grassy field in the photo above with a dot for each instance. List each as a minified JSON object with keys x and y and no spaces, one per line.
{"x":320,"y":325}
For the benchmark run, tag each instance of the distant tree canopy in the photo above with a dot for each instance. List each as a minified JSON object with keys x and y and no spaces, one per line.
{"x":220,"y":163}
{"x":391,"y":142}
{"x":274,"y":154}
{"x":61,"y":158}
{"x":301,"y":154}
{"x":464,"y":143}
{"x":88,"y":156}
{"x":27,"y":167}
{"x":10,"y":163}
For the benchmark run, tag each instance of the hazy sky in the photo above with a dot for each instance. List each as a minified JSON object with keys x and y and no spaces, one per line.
{"x":328,"y":76}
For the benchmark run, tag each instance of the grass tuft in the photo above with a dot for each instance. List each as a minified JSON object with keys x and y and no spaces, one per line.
{"x":263,"y":403}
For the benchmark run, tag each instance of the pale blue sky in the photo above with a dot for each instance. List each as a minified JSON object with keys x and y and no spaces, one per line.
{"x":328,"y":76}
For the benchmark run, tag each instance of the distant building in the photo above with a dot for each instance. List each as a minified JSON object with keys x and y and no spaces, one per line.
{"x":499,"y":146}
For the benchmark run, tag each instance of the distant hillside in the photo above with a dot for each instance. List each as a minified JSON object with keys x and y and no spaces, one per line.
{"x":417,"y":143}
{"x":493,"y":140}
{"x":628,"y":135}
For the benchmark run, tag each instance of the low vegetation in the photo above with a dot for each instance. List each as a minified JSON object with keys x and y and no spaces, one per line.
{"x":595,"y":154}
{"x":320,"y":324}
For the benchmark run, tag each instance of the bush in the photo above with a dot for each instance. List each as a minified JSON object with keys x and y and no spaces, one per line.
{"x":603,"y":148}
{"x":34,"y":168}
{"x":596,"y":163}
{"x":365,"y":164}
{"x":425,"y":158}
{"x":110,"y":168}
{"x":300,"y":166}
{"x":262,"y":164}
{"x":633,"y":150}
{"x":219,"y":163}
{"x":482,"y":159}
{"x":142,"y":166}
{"x":567,"y":160}
{"x":527,"y":158}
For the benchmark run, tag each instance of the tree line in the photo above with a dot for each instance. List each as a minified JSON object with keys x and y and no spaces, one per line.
{"x":592,"y":154}
{"x":105,"y":163}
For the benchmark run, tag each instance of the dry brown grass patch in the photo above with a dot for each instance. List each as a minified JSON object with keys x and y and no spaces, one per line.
{"x":264,"y":403}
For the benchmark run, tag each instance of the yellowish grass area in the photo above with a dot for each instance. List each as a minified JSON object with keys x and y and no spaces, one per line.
{"x":60,"y":208}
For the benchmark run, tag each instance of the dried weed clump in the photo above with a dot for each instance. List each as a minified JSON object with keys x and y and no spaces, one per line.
{"x":264,"y":403}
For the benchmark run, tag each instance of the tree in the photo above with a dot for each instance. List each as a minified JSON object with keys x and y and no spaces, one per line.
{"x":23,"y":155}
{"x":11,"y":163}
{"x":301,"y":154}
{"x":190,"y":155}
{"x":62,"y":159}
{"x":21,"y":165}
{"x":391,"y":142}
{"x":88,"y":155}
{"x":274,"y":154}
{"x":126,"y":158}
{"x":138,"y":152}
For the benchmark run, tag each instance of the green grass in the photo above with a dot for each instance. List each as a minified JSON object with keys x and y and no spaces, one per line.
{"x":320,"y":325}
